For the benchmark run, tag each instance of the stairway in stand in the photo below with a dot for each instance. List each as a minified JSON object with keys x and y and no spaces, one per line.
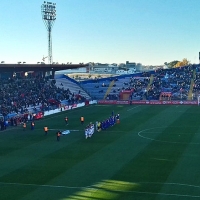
{"x":150,"y":82}
{"x":149,"y":85}
{"x":191,"y":86}
{"x":109,"y":89}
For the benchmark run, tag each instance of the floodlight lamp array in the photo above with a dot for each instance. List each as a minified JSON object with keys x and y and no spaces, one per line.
{"x":48,"y":11}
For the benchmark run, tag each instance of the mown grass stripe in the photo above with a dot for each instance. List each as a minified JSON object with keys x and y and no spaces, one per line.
{"x":151,"y":170}
{"x":116,"y":155}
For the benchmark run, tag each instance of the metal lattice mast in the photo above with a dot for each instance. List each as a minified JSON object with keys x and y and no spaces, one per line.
{"x":48,"y":11}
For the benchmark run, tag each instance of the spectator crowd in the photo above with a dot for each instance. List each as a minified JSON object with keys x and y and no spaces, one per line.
{"x":174,"y":81}
{"x":21,"y":97}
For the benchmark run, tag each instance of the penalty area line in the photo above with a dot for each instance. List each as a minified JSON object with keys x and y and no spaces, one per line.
{"x":133,"y":108}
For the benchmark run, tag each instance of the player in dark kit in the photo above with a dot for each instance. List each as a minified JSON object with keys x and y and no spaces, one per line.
{"x":32,"y":125}
{"x":24,"y":126}
{"x":66,"y":120}
{"x":58,"y":134}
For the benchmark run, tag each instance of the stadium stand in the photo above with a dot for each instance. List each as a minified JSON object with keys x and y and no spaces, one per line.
{"x":31,"y":95}
{"x":20,"y":97}
{"x":163,"y":84}
{"x":75,"y":89}
{"x":172,"y":84}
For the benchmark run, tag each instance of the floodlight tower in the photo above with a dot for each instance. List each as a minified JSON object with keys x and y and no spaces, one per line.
{"x":48,"y":10}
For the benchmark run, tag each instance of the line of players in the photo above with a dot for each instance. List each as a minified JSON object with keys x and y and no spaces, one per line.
{"x":89,"y":130}
{"x":105,"y":124}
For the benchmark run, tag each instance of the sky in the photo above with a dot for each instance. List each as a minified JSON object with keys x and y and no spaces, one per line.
{"x":150,"y":32}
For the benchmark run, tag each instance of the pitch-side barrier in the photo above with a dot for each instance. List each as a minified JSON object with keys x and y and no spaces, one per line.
{"x":145,"y":102}
{"x":68,"y":107}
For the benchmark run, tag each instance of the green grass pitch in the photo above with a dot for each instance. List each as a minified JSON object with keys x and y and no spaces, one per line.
{"x":153,"y":154}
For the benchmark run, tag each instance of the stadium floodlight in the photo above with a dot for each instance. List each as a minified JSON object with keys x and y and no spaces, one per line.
{"x":48,"y":11}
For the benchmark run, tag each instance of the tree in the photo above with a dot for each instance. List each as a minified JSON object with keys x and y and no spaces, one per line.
{"x":171,"y":64}
{"x":182,"y":63}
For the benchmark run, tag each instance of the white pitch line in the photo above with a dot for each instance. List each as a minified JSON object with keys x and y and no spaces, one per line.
{"x":160,"y":159}
{"x":164,"y":194}
{"x":133,"y":108}
{"x":58,"y":129}
{"x":179,"y":184}
{"x":95,"y":189}
{"x":148,"y":138}
{"x":50,"y":186}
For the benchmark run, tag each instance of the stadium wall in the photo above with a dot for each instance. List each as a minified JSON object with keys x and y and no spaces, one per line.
{"x":144,"y":102}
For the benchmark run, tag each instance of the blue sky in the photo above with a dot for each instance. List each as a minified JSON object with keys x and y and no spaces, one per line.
{"x":150,"y":32}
